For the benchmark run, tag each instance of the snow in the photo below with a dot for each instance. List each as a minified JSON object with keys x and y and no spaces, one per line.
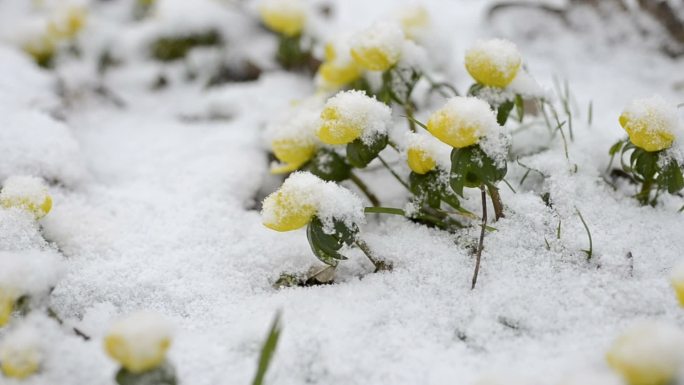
{"x":139,"y":338}
{"x":503,"y":54}
{"x":384,"y":36}
{"x":432,"y":147}
{"x":156,"y":211}
{"x":29,"y":272}
{"x":356,"y":109}
{"x":20,"y":349}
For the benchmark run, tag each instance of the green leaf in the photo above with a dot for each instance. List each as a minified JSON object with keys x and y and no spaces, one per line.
{"x":644,"y":163}
{"x":268,"y":350}
{"x":426,"y":188}
{"x":520,"y":107}
{"x":615,"y":148}
{"x":161,"y":375}
{"x":475,"y":89}
{"x":325,"y":246}
{"x":503,"y":111}
{"x":329,"y":165}
{"x":471,"y":167}
{"x":671,"y":177}
{"x":360,"y":154}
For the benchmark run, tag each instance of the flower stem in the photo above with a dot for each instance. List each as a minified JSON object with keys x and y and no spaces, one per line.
{"x":496,"y":202}
{"x":645,"y":194}
{"x":394,"y":174}
{"x":482,"y":234}
{"x":364,"y":189}
{"x":379,"y":265}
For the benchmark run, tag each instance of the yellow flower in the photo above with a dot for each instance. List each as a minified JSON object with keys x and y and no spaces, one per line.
{"x":420,"y":161}
{"x":335,"y":76}
{"x":677,"y":281}
{"x":7,"y":300}
{"x":68,"y":24}
{"x":337,"y":130}
{"x":461,"y":122}
{"x":379,"y":47}
{"x":351,"y":114}
{"x":286,"y":17}
{"x":414,"y":20}
{"x":648,"y":354}
{"x":286,"y":210}
{"x":493,"y":63}
{"x":19,"y":354}
{"x":41,"y":48}
{"x":293,"y":152}
{"x":27,"y":193}
{"x":138,"y":342}
{"x":650,"y":123}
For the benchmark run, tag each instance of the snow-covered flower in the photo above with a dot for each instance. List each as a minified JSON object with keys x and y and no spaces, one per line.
{"x":338,"y":69}
{"x":303,"y":196}
{"x":462,"y":121}
{"x":67,"y":22}
{"x":414,"y":20}
{"x":494,"y":62}
{"x":28,"y":193}
{"x":350,"y":115}
{"x":677,"y":281}
{"x":293,"y":137}
{"x":286,"y":17}
{"x":423,"y":152}
{"x":139,"y":341}
{"x":651,"y":123}
{"x":8,"y":297}
{"x":420,"y":160}
{"x":647,"y":354}
{"x":20,"y":353}
{"x":379,"y":47}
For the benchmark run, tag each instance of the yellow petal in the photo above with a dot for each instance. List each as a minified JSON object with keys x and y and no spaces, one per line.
{"x":6,"y":307}
{"x":288,"y":22}
{"x":134,"y":359}
{"x":678,"y":286}
{"x":283,"y":211}
{"x":489,"y":66}
{"x":420,"y":161}
{"x":336,"y":76}
{"x":647,"y":132}
{"x":452,"y":130}
{"x":374,"y":58}
{"x":39,"y":210}
{"x":21,"y":364}
{"x":337,"y":130}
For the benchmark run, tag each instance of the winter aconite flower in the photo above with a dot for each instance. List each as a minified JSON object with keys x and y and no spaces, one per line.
{"x":647,"y":354}
{"x":493,"y":63}
{"x":291,"y":207}
{"x":677,"y":281}
{"x":293,"y":153}
{"x":462,"y":121}
{"x":303,"y":196}
{"x":414,"y":20}
{"x":293,"y":136}
{"x":286,"y":17}
{"x":338,"y":69}
{"x":379,"y":47}
{"x":20,"y":354}
{"x":28,"y":193}
{"x":650,"y":123}
{"x":7,"y":300}
{"x":67,"y":22}
{"x":139,"y":342}
{"x":420,"y":160}
{"x":350,"y":115}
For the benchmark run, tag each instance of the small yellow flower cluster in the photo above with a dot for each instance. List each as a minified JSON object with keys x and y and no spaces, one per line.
{"x":27,"y":193}
{"x":350,"y":115}
{"x":286,"y":17}
{"x":647,"y":354}
{"x":139,"y":341}
{"x":462,"y":121}
{"x":650,"y":123}
{"x":493,"y":63}
{"x":20,"y":353}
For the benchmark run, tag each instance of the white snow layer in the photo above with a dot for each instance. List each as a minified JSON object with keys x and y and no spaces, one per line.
{"x":166,"y":221}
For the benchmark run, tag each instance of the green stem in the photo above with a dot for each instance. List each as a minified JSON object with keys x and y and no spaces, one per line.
{"x":394,"y":174}
{"x":384,"y":210}
{"x":364,"y":189}
{"x":645,"y":193}
{"x":408,"y":109}
{"x":379,"y":265}
{"x":482,"y":234}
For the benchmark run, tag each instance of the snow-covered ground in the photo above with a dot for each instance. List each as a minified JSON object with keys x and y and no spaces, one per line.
{"x":154,"y":207}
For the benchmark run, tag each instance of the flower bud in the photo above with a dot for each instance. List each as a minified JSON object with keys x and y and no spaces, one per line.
{"x":20,"y":353}
{"x":28,"y":193}
{"x":647,"y":354}
{"x":493,"y":63}
{"x":350,"y":115}
{"x":139,"y":342}
{"x":379,"y":47}
{"x":650,"y":123}
{"x":286,"y":17}
{"x":462,"y":121}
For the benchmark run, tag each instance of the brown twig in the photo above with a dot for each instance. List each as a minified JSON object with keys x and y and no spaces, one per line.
{"x":482,"y":234}
{"x":496,"y":202}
